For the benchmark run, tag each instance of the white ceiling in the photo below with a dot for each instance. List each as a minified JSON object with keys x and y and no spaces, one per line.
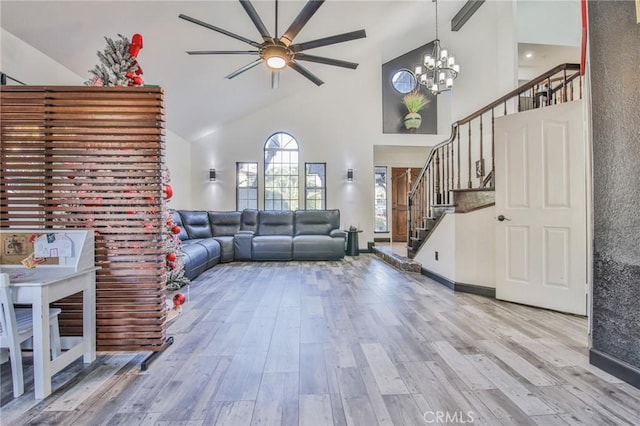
{"x":198,"y":97}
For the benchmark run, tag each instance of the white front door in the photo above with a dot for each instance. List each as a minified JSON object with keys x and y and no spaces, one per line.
{"x":541,"y":247}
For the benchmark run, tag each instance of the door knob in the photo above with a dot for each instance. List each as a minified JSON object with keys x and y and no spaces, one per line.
{"x":501,"y":218}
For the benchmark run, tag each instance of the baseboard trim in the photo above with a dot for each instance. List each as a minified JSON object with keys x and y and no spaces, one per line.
{"x":460,"y":287}
{"x":439,"y":278}
{"x":615,"y":367}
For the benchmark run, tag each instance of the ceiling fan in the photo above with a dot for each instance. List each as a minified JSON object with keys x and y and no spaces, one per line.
{"x":280,"y":52}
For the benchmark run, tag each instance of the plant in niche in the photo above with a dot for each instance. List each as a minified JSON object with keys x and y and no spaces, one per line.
{"x":414,"y":102}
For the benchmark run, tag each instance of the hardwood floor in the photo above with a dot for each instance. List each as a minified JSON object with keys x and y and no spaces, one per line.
{"x":341,"y":343}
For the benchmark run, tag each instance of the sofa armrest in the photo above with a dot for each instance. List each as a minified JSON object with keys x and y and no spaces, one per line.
{"x":242,"y":245}
{"x":337,"y":233}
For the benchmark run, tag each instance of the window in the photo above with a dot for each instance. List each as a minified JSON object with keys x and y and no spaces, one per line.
{"x":403,"y":81}
{"x":281,"y":172}
{"x":381,"y":200}
{"x":246,"y":186}
{"x":315,"y":186}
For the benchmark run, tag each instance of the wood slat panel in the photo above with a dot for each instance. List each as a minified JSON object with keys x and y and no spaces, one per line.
{"x":89,"y":157}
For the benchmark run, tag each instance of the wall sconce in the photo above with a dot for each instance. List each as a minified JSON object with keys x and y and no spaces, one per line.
{"x":349,"y":175}
{"x":212,"y":175}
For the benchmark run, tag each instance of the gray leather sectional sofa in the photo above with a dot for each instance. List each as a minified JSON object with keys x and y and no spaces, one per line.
{"x":209,"y":237}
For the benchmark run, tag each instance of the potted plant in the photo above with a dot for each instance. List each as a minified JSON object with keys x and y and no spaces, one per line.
{"x":414,"y":101}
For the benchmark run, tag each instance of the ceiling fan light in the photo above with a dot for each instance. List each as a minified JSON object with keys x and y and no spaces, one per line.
{"x":276,"y":62}
{"x":276,"y":57}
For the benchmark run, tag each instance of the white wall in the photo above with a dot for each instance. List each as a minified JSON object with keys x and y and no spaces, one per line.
{"x":476,"y":247}
{"x":340,"y":123}
{"x":549,"y":22}
{"x":443,"y":241}
{"x":178,"y":161}
{"x":486,"y":50}
{"x":465,"y":243}
{"x":27,"y":64}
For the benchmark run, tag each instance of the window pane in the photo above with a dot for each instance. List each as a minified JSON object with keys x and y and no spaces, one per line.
{"x":315,"y":186}
{"x":381,"y":199}
{"x":281,"y":172}
{"x":247,"y":185}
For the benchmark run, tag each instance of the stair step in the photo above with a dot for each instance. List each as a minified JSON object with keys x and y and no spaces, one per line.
{"x":472,"y":199}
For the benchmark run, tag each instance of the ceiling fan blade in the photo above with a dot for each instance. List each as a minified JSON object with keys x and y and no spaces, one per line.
{"x":251,"y":11}
{"x":305,"y":72}
{"x":223,"y":52}
{"x":275,"y":79}
{"x":245,"y":68}
{"x":340,"y":38}
{"x":219,"y":30}
{"x":301,"y":20}
{"x":326,"y":61}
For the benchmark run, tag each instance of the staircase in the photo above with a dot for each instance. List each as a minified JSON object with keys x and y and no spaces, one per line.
{"x":458,"y":176}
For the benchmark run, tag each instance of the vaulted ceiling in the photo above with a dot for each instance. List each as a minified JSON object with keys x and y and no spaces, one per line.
{"x":198,"y":97}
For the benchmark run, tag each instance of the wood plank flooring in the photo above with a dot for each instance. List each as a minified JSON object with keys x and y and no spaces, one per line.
{"x":354,"y":342}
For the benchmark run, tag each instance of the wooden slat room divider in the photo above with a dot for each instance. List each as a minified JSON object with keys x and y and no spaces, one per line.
{"x":92,"y":157}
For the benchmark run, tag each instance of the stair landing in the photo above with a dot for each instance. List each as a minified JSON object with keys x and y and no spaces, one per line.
{"x":392,"y":254}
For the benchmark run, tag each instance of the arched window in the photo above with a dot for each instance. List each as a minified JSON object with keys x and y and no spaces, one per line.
{"x":281,"y":172}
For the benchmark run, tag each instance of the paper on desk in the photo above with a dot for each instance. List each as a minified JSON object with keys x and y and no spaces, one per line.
{"x":53,"y":244}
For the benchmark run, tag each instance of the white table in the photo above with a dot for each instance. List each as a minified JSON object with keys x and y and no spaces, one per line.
{"x":39,"y":287}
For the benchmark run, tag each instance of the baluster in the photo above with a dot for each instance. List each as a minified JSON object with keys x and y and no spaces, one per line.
{"x":443,"y":181}
{"x":549,"y":92}
{"x":493,"y":149}
{"x":469,"y":184}
{"x":437,"y":183}
{"x":428,"y":192}
{"x":453,"y":171}
{"x":571,"y":88}
{"x":481,"y":155}
{"x":458,"y":157}
{"x":445,"y":184}
{"x":564,"y":85}
{"x":432,"y":191}
{"x":580,"y":80}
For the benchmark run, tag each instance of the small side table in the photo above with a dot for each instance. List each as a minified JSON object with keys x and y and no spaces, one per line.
{"x":352,"y":242}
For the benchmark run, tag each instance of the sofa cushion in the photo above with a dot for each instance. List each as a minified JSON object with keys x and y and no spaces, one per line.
{"x":271,"y":247}
{"x":275,"y":222}
{"x":317,"y":247}
{"x":195,"y":259}
{"x":224,"y":224}
{"x":196,"y":223}
{"x":249,"y":220}
{"x":177,"y":220}
{"x":316,"y":222}
{"x":226,"y":248}
{"x":213,"y":248}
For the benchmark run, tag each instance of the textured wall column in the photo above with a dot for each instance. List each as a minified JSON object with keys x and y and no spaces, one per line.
{"x":614,"y":38}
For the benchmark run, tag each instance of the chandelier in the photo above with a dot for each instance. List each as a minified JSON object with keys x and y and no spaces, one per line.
{"x":439,"y":68}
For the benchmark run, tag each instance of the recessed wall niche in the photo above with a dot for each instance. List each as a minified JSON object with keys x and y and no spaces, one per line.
{"x":393,"y":111}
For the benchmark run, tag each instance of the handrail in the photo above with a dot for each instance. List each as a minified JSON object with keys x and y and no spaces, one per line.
{"x":515,"y":92}
{"x":443,"y":169}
